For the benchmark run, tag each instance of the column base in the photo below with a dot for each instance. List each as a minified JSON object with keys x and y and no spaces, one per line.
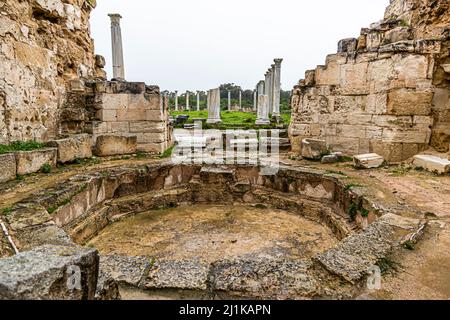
{"x":277,"y":118}
{"x":213,"y":121}
{"x":262,"y":122}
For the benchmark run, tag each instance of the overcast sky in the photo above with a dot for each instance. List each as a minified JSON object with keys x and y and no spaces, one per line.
{"x":200,"y":44}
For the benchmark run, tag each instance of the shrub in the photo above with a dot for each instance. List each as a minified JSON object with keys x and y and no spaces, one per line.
{"x":46,"y":168}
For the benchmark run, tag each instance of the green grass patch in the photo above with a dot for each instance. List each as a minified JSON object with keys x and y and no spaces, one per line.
{"x":46,"y":168}
{"x":21,"y":146}
{"x":6,"y":211}
{"x":351,"y":186}
{"x":230,"y":119}
{"x":167,"y":154}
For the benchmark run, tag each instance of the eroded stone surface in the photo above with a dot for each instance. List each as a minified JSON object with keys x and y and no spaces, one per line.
{"x":72,"y":148}
{"x":50,"y":272}
{"x":115,"y":145}
{"x":432,"y":163}
{"x":33,"y":161}
{"x":8,"y":168}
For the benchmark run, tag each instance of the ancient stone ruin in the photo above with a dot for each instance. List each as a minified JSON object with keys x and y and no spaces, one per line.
{"x":385,"y":92}
{"x":100,"y":199}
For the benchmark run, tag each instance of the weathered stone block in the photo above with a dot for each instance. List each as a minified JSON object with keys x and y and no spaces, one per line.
{"x":432,"y":163}
{"x":314,"y":149}
{"x":8,"y":168}
{"x":50,"y":273}
{"x":32,"y":161}
{"x":111,"y":145}
{"x":72,"y":148}
{"x":368,"y":161}
{"x":332,"y":158}
{"x":409,"y":103}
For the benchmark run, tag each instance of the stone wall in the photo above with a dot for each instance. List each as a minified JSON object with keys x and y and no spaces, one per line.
{"x":387,"y":91}
{"x":43,"y":43}
{"x":118,"y":108}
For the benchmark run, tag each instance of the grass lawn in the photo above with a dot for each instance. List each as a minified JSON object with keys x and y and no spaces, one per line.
{"x":229,"y":118}
{"x":21,"y":146}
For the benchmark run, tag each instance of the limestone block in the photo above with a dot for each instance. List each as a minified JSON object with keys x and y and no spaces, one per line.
{"x":397,"y":34}
{"x":76,"y":85}
{"x":409,"y":103}
{"x":332,"y":158}
{"x":153,"y":147}
{"x":347,"y":45}
{"x":32,"y":161}
{"x":72,"y":148}
{"x":368,"y":161}
{"x":131,"y":115}
{"x":353,"y":78}
{"x":153,"y":115}
{"x":111,"y":145}
{"x":145,"y":101}
{"x":50,"y":273}
{"x":310,"y":77}
{"x":432,"y":163}
{"x":328,"y":75}
{"x":107,"y":115}
{"x":7,"y":167}
{"x":410,"y":67}
{"x":118,"y":101}
{"x":147,"y":127}
{"x":119,"y":127}
{"x":394,"y":135}
{"x":314,"y":149}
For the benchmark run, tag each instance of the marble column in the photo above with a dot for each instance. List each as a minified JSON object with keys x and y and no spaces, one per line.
{"x":271,"y":71}
{"x":176,"y":100}
{"x":229,"y":100}
{"x":198,"y":100}
{"x":263,"y":110}
{"x":255,"y":98}
{"x":276,"y":112}
{"x":260,"y":89}
{"x":117,"y":48}
{"x":187,"y":101}
{"x":240,"y":100}
{"x":214,"y":106}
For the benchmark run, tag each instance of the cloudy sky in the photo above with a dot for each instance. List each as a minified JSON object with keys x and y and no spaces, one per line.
{"x":200,"y":44}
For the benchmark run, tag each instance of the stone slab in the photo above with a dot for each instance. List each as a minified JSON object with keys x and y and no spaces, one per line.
{"x":50,"y":273}
{"x":72,"y":148}
{"x":111,"y":145}
{"x":368,"y":161}
{"x":32,"y":161}
{"x":432,"y":163}
{"x":314,"y":149}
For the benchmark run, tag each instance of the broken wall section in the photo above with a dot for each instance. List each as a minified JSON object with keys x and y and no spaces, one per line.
{"x":385,"y":92}
{"x":43,"y":43}
{"x":121,"y":109}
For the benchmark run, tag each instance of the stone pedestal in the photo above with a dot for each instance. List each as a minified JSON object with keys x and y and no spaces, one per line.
{"x":117,"y":49}
{"x":263,"y":110}
{"x":214,"y":106}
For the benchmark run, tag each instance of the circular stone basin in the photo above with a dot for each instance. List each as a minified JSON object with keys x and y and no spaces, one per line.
{"x":211,"y":233}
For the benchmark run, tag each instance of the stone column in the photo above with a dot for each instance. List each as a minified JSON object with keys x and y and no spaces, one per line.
{"x":260,"y":89}
{"x":117,"y":48}
{"x":187,"y":101}
{"x":271,"y":71}
{"x":255,"y":98}
{"x":229,"y":100}
{"x":176,"y":100}
{"x":240,"y":100}
{"x":276,"y":113}
{"x":263,"y":110}
{"x":198,"y":100}
{"x":214,"y":106}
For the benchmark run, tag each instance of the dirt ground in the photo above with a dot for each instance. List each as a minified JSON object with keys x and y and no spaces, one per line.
{"x":212,"y":233}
